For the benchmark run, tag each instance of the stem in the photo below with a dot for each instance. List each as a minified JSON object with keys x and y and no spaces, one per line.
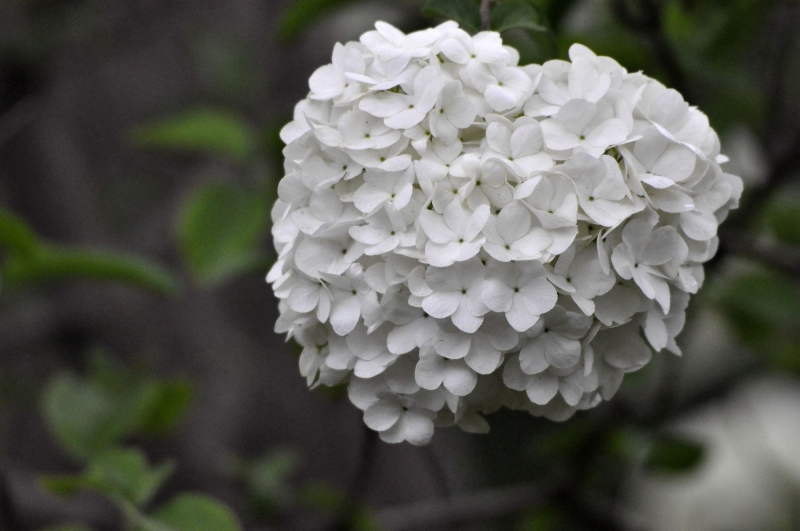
{"x":471,"y":507}
{"x":648,"y":23}
{"x":358,"y":485}
{"x":437,"y":472}
{"x":485,"y":14}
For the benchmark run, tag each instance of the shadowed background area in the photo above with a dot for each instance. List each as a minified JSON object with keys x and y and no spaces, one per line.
{"x":139,"y":158}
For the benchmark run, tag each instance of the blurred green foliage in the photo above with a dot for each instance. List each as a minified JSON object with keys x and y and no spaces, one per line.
{"x":90,"y":415}
{"x":267,"y":479}
{"x":301,"y":13}
{"x":120,"y":473}
{"x":465,"y":12}
{"x":512,"y":14}
{"x":30,"y":261}
{"x":220,"y":229}
{"x":673,"y":454}
{"x":194,"y":512}
{"x":198,"y":131}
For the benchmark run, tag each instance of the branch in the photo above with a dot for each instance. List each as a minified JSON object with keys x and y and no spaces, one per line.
{"x":21,"y":114}
{"x":485,"y":14}
{"x":463,"y":508}
{"x":782,"y":258}
{"x":358,"y":484}
{"x":648,"y":23}
{"x":732,"y":238}
{"x":437,"y":471}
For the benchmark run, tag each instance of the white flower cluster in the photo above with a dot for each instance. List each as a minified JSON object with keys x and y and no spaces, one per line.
{"x":457,"y":233}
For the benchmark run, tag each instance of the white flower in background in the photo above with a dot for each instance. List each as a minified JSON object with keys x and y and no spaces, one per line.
{"x":457,"y":233}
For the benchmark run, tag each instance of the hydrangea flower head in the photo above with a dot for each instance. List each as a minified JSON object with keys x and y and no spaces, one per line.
{"x":457,"y":233}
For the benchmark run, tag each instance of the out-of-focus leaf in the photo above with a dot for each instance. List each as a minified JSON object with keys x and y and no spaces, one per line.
{"x":63,"y":485}
{"x":83,"y":418}
{"x":50,"y":264}
{"x":121,"y":474}
{"x":301,"y":13}
{"x":15,"y":235}
{"x":196,"y":512}
{"x":198,"y":131}
{"x":88,"y":416}
{"x":324,"y":498}
{"x":268,"y":477}
{"x":220,"y":229}
{"x":674,"y":455}
{"x":512,"y":14}
{"x":364,"y":520}
{"x":67,"y":527}
{"x":783,"y":221}
{"x":171,"y":401}
{"x":125,"y":474}
{"x":466,"y":12}
{"x":534,"y":39}
{"x":544,"y":519}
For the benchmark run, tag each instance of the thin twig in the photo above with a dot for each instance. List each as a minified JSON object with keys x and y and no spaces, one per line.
{"x":21,"y":114}
{"x":485,"y":14}
{"x":648,"y":23}
{"x":358,"y":484}
{"x":774,"y":92}
{"x":437,"y":471}
{"x":463,"y":508}
{"x":771,"y":254}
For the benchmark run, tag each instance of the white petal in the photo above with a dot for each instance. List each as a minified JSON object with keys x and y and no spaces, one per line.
{"x":382,"y":415}
{"x":459,"y":379}
{"x":441,"y":304}
{"x":543,"y":388}
{"x":345,"y":315}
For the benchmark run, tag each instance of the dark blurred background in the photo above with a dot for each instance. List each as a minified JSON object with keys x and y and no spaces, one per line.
{"x":139,"y":157}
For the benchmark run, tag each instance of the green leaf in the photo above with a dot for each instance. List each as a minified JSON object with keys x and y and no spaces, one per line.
{"x":220,"y":229}
{"x":63,"y":484}
{"x":16,"y":236}
{"x":67,"y":527}
{"x":301,"y":13}
{"x":169,"y":405}
{"x":267,"y":478}
{"x":52,"y":264}
{"x":199,"y":131}
{"x":125,"y":474}
{"x":82,"y":416}
{"x":120,"y":474}
{"x":197,"y":512}
{"x":324,"y":498}
{"x":516,"y":14}
{"x":674,"y":455}
{"x":466,"y":12}
{"x":88,"y":416}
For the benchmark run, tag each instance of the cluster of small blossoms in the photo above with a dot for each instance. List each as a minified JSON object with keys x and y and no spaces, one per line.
{"x":457,"y":233}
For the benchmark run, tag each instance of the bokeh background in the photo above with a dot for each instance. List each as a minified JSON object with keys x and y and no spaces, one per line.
{"x":142,"y":386}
